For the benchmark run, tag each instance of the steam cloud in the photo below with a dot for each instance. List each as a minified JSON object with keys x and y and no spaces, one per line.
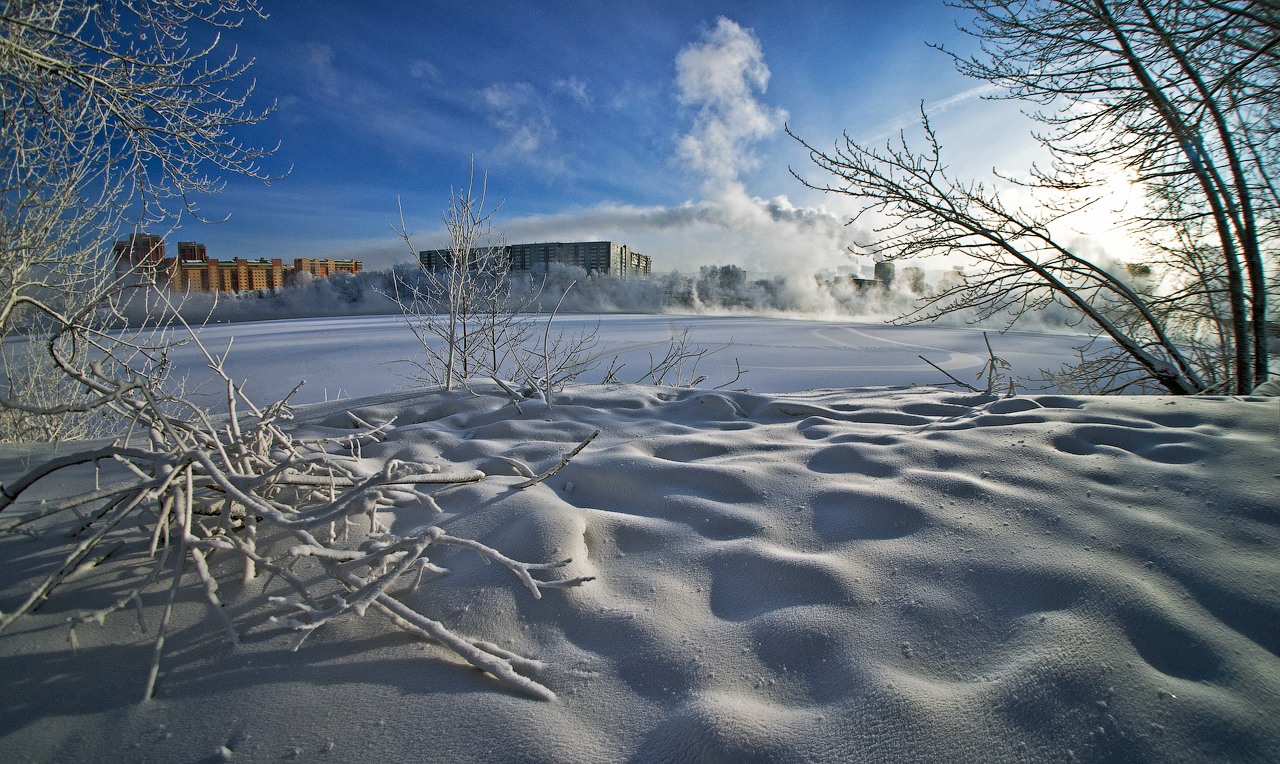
{"x":720,"y":77}
{"x":721,"y":80}
{"x":723,"y":77}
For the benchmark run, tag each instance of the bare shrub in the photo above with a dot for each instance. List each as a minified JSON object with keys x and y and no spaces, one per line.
{"x":190,"y":485}
{"x":465,"y":315}
{"x":472,"y":323}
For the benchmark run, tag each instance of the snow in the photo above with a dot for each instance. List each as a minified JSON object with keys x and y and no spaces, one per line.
{"x":876,"y":574}
{"x":356,"y":356}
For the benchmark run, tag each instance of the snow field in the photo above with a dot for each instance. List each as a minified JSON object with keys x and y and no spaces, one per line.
{"x":352,"y":357}
{"x":835,"y":575}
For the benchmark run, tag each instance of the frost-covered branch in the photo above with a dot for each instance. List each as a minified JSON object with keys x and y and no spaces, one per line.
{"x":193,"y":484}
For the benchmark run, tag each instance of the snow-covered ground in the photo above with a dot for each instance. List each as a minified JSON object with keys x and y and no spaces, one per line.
{"x":864,"y":575}
{"x":356,"y":356}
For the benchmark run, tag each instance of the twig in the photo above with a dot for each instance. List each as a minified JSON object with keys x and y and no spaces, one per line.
{"x":965,"y":385}
{"x":512,"y":394}
{"x":563,"y":462}
{"x":736,"y":377}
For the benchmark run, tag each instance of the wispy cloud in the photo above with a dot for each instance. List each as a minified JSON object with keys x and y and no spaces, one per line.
{"x":908,"y":121}
{"x":965,"y":96}
{"x":360,"y":105}
{"x":600,"y":220}
{"x":731,"y":227}
{"x":520,"y":112}
{"x":423,"y":110}
{"x":319,"y":60}
{"x":576,"y":89}
{"x":421,"y":69}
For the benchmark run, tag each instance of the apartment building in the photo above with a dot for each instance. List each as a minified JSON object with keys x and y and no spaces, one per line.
{"x":604,"y":257}
{"x":141,"y":253}
{"x":238,"y":275}
{"x":194,"y":271}
{"x":321,"y":268}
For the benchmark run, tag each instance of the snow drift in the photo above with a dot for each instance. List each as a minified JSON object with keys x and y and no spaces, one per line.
{"x":875,"y":575}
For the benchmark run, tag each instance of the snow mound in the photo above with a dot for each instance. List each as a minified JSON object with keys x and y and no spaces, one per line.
{"x":873,"y":575}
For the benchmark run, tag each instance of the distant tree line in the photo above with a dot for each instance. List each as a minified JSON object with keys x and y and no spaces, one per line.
{"x":711,"y":288}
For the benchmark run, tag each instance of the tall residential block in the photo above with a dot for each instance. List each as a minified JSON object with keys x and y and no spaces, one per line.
{"x":141,"y":253}
{"x":192,"y":251}
{"x":604,"y":257}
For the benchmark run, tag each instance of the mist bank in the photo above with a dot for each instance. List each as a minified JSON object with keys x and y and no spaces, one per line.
{"x":713,"y":290}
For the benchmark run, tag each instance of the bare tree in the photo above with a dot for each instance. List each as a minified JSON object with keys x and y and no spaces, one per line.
{"x":464,"y":314}
{"x":1182,"y":95}
{"x":1022,"y":266}
{"x":111,"y":117}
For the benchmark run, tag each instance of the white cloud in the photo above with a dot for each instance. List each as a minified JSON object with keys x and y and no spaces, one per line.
{"x":763,"y":235}
{"x":721,"y":77}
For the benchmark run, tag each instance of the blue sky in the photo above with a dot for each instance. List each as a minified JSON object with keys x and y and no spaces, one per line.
{"x":659,"y":124}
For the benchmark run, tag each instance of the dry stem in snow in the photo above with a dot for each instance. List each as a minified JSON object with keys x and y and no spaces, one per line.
{"x":199,"y":486}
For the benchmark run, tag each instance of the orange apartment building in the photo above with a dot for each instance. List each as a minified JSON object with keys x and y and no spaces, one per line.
{"x":324,"y":268}
{"x":212,"y":275}
{"x":194,"y":271}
